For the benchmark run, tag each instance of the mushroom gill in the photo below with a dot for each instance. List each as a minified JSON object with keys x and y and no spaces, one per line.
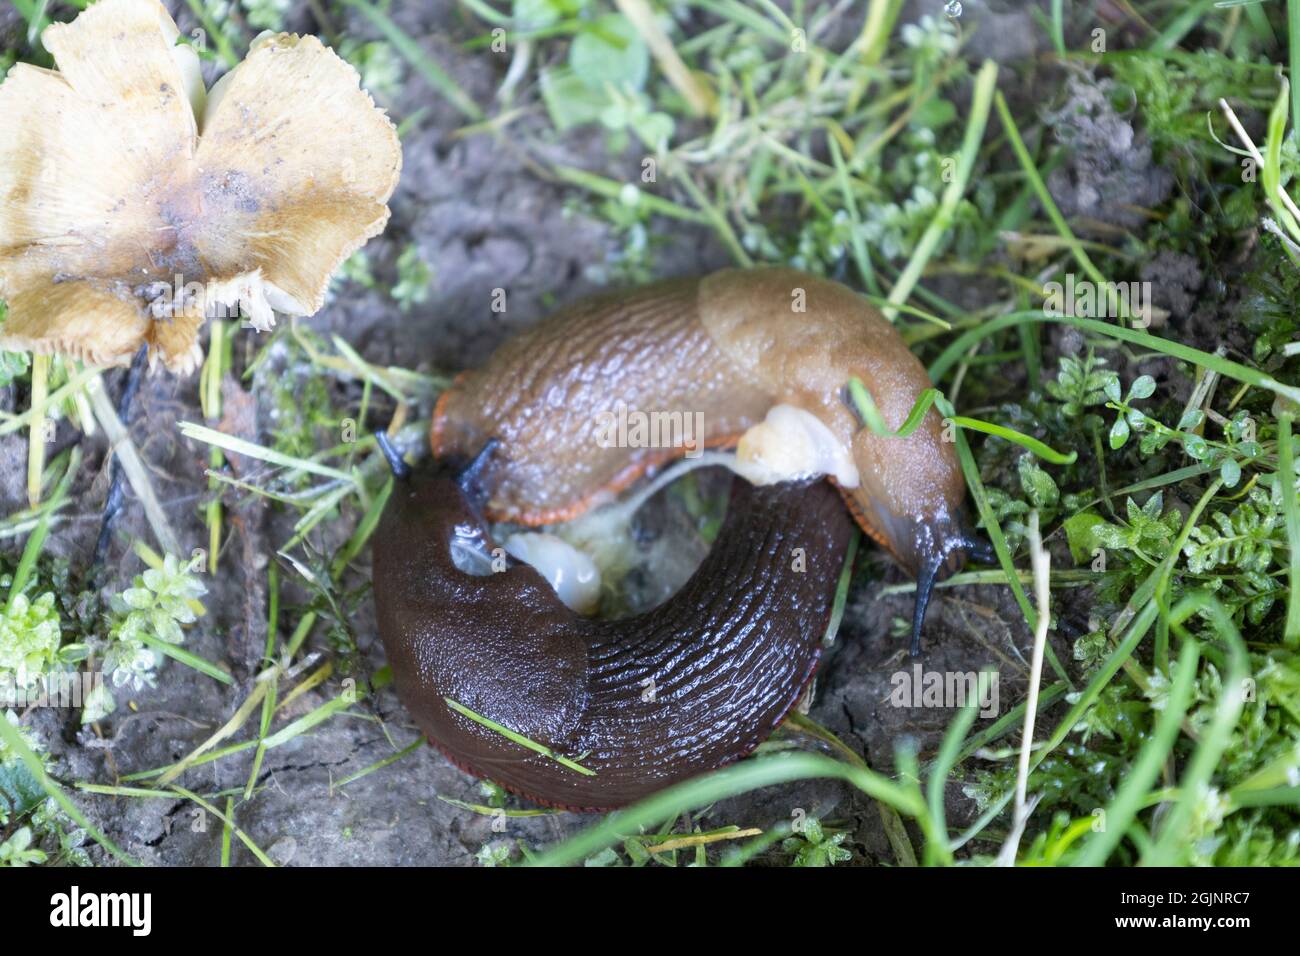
{"x":130,"y":211}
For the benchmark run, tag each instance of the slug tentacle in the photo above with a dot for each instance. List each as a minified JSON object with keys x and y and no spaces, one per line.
{"x":937,"y":547}
{"x":398,"y":466}
{"x":925,"y":581}
{"x":474,"y":476}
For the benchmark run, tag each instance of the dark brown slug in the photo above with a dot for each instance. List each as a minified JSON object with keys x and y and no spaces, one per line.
{"x":642,"y":703}
{"x":760,"y":358}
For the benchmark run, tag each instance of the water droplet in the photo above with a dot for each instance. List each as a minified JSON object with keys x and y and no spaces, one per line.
{"x":952,"y":8}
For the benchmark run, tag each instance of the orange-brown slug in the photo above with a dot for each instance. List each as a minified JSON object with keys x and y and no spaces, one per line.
{"x":730,"y":347}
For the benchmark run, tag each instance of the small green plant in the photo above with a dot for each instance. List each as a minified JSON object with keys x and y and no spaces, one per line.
{"x":18,"y":849}
{"x":302,"y":412}
{"x":153,"y":609}
{"x":19,"y":791}
{"x":1148,"y":531}
{"x":1081,"y":384}
{"x":266,"y":14}
{"x":413,"y":279}
{"x":157,"y":604}
{"x":1041,"y":495}
{"x":494,"y":854}
{"x":12,"y":364}
{"x":1227,"y":455}
{"x":1174,"y":91}
{"x":816,"y":846}
{"x":40,"y":828}
{"x":604,"y":81}
{"x":356,"y":268}
{"x":631,"y":258}
{"x":30,"y":634}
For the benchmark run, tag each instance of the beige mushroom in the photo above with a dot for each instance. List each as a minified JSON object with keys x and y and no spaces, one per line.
{"x":130,"y":211}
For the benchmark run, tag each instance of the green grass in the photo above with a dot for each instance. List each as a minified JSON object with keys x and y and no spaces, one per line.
{"x":833,"y":167}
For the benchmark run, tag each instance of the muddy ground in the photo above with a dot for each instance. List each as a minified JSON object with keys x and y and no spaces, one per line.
{"x":484,"y":217}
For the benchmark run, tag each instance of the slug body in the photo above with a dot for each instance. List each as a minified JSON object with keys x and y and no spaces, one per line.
{"x":729,"y":347}
{"x":696,"y":683}
{"x":758,"y":359}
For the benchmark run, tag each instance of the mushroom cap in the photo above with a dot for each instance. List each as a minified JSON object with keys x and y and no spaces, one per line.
{"x":123,"y":223}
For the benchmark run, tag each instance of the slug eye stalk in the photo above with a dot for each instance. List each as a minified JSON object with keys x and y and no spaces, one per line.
{"x":925,"y":581}
{"x":472,"y":478}
{"x":399,"y":467}
{"x":933,"y":549}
